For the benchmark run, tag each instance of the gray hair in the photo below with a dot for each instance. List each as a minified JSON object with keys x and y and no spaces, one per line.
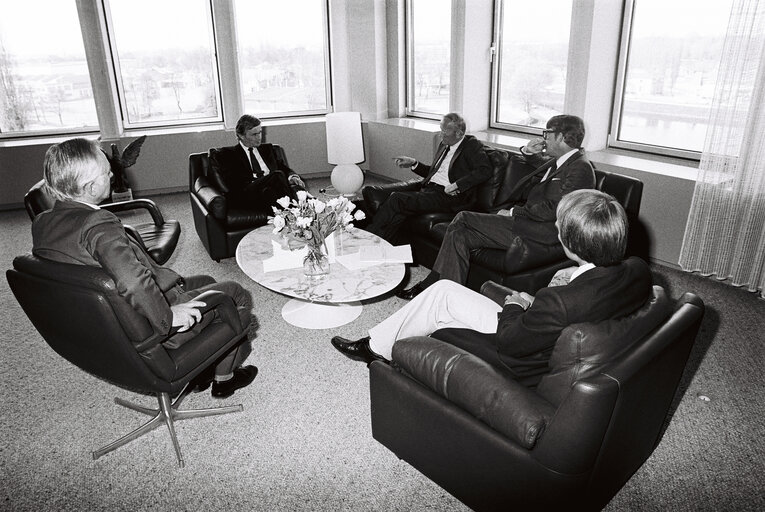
{"x":456,"y":120}
{"x":69,"y":166}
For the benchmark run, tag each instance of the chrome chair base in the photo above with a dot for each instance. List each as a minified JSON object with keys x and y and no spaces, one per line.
{"x":167,"y":413}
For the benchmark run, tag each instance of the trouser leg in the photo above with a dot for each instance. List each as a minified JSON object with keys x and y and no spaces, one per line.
{"x":400,"y":205}
{"x":243,"y":301}
{"x":264,"y":191}
{"x":468,"y":231}
{"x":445,"y":304}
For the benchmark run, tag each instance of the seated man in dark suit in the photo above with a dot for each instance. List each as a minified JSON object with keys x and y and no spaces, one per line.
{"x":592,"y":227}
{"x":252,"y":172}
{"x":447,"y":186}
{"x":76,"y":231}
{"x":529,"y":211}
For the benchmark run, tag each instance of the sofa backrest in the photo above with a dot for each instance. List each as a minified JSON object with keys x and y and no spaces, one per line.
{"x":199,"y":163}
{"x":626,"y":189}
{"x":486,"y":192}
{"x":583,"y":350}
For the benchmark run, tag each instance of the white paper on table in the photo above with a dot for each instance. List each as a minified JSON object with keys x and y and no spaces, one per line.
{"x":352,"y":261}
{"x":284,"y":259}
{"x":386,"y":254}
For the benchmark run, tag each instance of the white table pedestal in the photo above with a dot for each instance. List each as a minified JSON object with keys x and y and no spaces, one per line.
{"x":314,"y":315}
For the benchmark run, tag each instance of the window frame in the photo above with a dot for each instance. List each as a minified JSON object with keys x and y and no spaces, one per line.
{"x":496,"y":73}
{"x":618,"y":104}
{"x":57,"y":132}
{"x":409,"y":110}
{"x":121,"y":100}
{"x":291,"y":114}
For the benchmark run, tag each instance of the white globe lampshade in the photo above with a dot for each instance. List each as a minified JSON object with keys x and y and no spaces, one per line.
{"x":347,"y":178}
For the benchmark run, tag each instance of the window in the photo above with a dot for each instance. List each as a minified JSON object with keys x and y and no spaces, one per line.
{"x":283,"y":56}
{"x":165,"y":61}
{"x":670,"y":58}
{"x":44,"y":81}
{"x":530,"y":70}
{"x":428,"y":51}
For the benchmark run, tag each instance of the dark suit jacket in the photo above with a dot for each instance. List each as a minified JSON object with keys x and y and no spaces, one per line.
{"x":525,"y":339}
{"x":534,"y":202}
{"x":232,"y":165}
{"x":73,"y":232}
{"x":470,"y":166}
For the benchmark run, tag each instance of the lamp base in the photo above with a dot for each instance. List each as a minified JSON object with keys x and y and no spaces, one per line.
{"x":347,"y":178}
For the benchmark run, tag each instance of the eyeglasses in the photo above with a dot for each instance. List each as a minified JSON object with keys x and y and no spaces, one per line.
{"x":545,"y":133}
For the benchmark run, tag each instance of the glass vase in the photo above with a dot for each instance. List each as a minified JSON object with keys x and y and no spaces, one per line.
{"x":315,"y":263}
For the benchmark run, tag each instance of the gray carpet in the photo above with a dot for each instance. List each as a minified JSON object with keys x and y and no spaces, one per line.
{"x":304,"y":442}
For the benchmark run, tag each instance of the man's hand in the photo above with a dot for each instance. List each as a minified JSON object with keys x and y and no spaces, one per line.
{"x":534,"y":146}
{"x":405,"y":161}
{"x":521,"y":299}
{"x":505,"y":213}
{"x":294,"y":179}
{"x":186,"y":314}
{"x":451,"y":189}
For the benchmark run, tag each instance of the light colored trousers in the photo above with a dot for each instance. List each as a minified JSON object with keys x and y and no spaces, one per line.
{"x":444,"y":304}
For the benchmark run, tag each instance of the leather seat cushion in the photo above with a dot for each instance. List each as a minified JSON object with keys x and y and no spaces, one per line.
{"x":582,"y":350}
{"x":160,"y":241}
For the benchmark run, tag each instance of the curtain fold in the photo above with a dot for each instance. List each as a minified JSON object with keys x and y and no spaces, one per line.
{"x":725,"y":233}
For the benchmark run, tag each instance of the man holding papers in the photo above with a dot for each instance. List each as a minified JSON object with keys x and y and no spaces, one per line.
{"x":592,"y":227}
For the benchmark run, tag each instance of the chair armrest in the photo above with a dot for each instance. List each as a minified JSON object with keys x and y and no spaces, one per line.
{"x":375,"y":195}
{"x":135,"y":204}
{"x":495,"y":291}
{"x":475,"y":386}
{"x":211,"y":198}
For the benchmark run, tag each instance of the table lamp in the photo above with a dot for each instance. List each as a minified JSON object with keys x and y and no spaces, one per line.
{"x":345,"y":149}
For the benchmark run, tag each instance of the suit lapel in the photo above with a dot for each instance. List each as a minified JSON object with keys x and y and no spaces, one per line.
{"x":565,"y":165}
{"x":244,"y":158}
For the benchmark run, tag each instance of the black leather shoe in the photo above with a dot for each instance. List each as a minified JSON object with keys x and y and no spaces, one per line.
{"x":410,"y":293}
{"x":357,"y":350}
{"x":242,"y":377}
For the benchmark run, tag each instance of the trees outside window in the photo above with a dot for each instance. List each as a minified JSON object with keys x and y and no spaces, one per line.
{"x":44,"y":81}
{"x":283,"y":58}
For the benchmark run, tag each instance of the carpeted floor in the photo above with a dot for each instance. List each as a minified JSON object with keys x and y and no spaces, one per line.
{"x":303,"y":441}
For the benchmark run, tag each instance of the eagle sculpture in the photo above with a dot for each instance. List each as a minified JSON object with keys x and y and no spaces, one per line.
{"x":121,"y":162}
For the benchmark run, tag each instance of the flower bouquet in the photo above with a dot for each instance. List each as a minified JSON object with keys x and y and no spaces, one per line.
{"x":308,"y":222}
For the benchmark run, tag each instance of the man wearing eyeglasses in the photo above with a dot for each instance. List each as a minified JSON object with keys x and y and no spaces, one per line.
{"x":528,"y":211}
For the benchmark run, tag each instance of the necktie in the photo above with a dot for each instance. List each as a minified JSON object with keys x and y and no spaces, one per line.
{"x":437,"y":164}
{"x":552,"y":169}
{"x":254,"y":164}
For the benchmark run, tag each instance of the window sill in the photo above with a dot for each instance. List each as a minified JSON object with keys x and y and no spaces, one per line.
{"x":643,"y":162}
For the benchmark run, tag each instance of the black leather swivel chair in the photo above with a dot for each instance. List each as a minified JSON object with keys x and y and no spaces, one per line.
{"x":159,"y":237}
{"x":77,"y":310}
{"x":569,"y":444}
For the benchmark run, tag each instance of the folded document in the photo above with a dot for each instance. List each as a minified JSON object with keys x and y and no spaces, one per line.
{"x":386,"y":254}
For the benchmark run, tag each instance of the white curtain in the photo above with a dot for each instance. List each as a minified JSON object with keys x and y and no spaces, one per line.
{"x":725,"y":234}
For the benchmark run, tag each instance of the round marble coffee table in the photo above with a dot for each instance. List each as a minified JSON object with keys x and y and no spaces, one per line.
{"x":325,"y":301}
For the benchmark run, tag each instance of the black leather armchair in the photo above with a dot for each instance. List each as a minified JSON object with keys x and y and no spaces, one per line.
{"x":525,"y":265}
{"x":219,"y":226}
{"x":80,"y":314}
{"x":159,"y":237}
{"x":569,"y":444}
